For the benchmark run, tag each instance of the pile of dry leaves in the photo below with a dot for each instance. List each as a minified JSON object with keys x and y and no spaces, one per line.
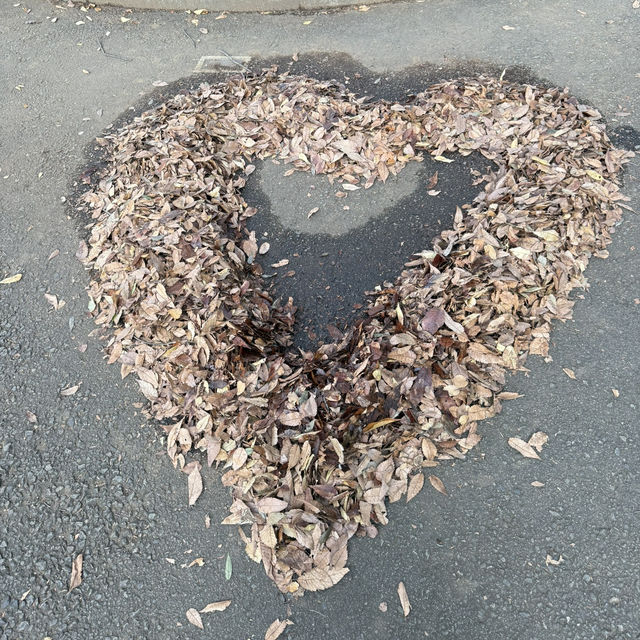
{"x":313,"y":444}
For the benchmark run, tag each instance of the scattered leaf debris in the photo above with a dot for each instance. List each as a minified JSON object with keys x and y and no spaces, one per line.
{"x":569,"y":372}
{"x":184,"y":309}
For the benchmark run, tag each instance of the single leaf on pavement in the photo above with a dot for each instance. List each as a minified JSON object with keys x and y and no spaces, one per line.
{"x":415,"y":486}
{"x":228,"y":569}
{"x":276,"y":628}
{"x":569,"y":372}
{"x":538,"y":439}
{"x":437,"y":484}
{"x":194,"y":618}
{"x":12,"y":279}
{"x":523,"y":448}
{"x":69,"y":391}
{"x":404,"y":599}
{"x":195,"y":485}
{"x":216,"y":606}
{"x":76,"y":573}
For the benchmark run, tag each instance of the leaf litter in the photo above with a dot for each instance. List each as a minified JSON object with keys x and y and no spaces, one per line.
{"x":331,"y":436}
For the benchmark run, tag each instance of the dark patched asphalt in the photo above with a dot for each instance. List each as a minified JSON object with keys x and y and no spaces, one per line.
{"x":89,"y":476}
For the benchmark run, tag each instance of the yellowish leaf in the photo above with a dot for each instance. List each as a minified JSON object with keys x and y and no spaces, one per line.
{"x":12,"y":279}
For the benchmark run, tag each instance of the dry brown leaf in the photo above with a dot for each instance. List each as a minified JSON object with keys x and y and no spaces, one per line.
{"x":569,"y":372}
{"x":616,"y":393}
{"x":538,"y":439}
{"x":272,"y":505}
{"x":524,"y":448}
{"x":194,"y":482}
{"x":216,"y":606}
{"x":537,"y":484}
{"x":276,"y":628}
{"x":76,"y":573}
{"x":415,"y":486}
{"x":429,"y":450}
{"x":438,"y":485}
{"x":404,"y":599}
{"x":320,"y":578}
{"x":193,"y":616}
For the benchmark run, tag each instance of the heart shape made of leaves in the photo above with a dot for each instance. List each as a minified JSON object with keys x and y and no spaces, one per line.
{"x":314,"y":443}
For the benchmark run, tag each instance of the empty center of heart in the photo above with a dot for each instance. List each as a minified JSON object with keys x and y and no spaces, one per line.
{"x":352,"y":241}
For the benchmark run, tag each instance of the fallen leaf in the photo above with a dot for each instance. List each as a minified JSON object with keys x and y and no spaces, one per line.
{"x":193,"y":616}
{"x":537,"y":484}
{"x":276,"y":628}
{"x":507,"y":27}
{"x":207,"y":521}
{"x":264,"y":247}
{"x":415,"y":486}
{"x":197,"y":561}
{"x":31,"y":417}
{"x":69,"y":391}
{"x":12,"y":279}
{"x":76,"y":573}
{"x":216,"y":606}
{"x":272,"y":505}
{"x":443,"y":159}
{"x":53,"y":254}
{"x":321,"y":578}
{"x":404,"y":599}
{"x":570,"y":373}
{"x":194,"y":483}
{"x":616,"y":393}
{"x":538,"y":439}
{"x":228,"y":568}
{"x":383,"y":607}
{"x":438,"y":485}
{"x":524,"y":448}
{"x":429,"y":450}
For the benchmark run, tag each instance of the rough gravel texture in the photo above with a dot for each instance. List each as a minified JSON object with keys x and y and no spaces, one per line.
{"x":90,"y":476}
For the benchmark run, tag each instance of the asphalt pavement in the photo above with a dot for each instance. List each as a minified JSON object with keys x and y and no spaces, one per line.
{"x":86,"y":473}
